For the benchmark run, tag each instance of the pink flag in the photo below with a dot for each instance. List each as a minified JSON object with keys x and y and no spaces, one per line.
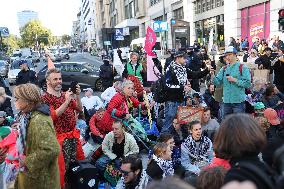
{"x":152,"y":70}
{"x":150,"y":41}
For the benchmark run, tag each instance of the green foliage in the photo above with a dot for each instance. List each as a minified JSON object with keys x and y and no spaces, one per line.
{"x":11,"y":43}
{"x":34,"y":32}
{"x":65,"y":39}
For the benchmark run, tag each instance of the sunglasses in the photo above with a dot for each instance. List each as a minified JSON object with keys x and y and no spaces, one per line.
{"x":125,"y":173}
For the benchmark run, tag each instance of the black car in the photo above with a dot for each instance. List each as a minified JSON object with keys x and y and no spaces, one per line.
{"x":83,"y":73}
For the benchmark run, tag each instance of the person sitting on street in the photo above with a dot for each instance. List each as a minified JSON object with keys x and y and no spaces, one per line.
{"x":97,"y":131}
{"x":196,"y":151}
{"x":160,"y":165}
{"x":209,"y":99}
{"x":209,"y":125}
{"x":133,"y":174}
{"x":116,"y":145}
{"x":25,"y":75}
{"x":90,"y":102}
{"x":272,"y":97}
{"x":107,"y":95}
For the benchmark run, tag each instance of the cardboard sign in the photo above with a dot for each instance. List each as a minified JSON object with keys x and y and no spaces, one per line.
{"x":187,"y":114}
{"x":261,"y":76}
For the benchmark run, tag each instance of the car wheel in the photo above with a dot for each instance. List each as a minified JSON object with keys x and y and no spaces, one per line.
{"x":99,"y":85}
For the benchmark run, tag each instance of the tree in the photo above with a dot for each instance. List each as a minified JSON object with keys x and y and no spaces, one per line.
{"x":65,"y":39}
{"x":33,"y":33}
{"x":11,"y":43}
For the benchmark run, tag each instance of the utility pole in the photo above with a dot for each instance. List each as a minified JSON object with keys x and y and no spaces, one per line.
{"x":163,"y":34}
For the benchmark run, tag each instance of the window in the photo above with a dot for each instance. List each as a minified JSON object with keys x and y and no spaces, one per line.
{"x":126,"y":12}
{"x":153,"y":2}
{"x":208,"y":6}
{"x":199,"y":7}
{"x":178,"y":13}
{"x":218,"y":3}
{"x":203,"y":5}
{"x":131,"y":10}
{"x":195,"y":7}
{"x":212,"y":4}
{"x":136,"y":6}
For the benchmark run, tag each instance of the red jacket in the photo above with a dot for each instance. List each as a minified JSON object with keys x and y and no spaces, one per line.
{"x":117,"y":103}
{"x":96,"y":125}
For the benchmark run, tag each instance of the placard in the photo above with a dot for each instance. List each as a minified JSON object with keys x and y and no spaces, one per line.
{"x":187,"y":114}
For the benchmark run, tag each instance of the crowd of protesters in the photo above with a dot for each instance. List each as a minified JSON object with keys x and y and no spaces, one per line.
{"x":238,"y":137}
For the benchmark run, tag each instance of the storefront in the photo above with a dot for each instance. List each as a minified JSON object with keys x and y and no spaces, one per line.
{"x":255,"y":22}
{"x":180,"y":31}
{"x":203,"y":28}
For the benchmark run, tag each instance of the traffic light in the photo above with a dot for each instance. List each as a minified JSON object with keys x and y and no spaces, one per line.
{"x":281,"y":19}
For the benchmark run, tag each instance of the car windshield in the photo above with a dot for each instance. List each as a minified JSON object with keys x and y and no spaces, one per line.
{"x":15,"y":64}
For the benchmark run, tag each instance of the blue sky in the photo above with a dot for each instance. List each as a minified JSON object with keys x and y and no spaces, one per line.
{"x":56,"y":15}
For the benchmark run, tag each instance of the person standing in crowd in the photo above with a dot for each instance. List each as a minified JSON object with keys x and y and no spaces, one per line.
{"x":133,"y":175}
{"x":63,"y":106}
{"x":278,"y":69}
{"x":233,"y":42}
{"x":116,"y":145}
{"x":36,"y":144}
{"x":107,"y":73}
{"x":90,"y":102}
{"x":134,"y":67}
{"x":248,"y":141}
{"x":245,"y":44}
{"x":264,"y":61}
{"x":253,"y":56}
{"x":5,"y":103}
{"x":235,"y":78}
{"x":170,"y":59}
{"x":110,"y":92}
{"x":196,"y":151}
{"x":119,"y":52}
{"x":209,"y":125}
{"x":160,"y":165}
{"x":25,"y":75}
{"x":176,"y":77}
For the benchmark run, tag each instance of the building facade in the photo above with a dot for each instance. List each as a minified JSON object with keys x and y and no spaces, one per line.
{"x":26,"y":16}
{"x":188,"y":20}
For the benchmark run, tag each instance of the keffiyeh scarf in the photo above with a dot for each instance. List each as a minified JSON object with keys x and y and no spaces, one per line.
{"x":190,"y":145}
{"x":23,"y":119}
{"x":165,"y":165}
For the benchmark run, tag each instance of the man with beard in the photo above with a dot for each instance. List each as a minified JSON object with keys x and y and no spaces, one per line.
{"x":63,"y":106}
{"x":133,"y":175}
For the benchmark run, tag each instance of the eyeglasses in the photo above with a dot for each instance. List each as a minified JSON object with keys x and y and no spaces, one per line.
{"x":125,"y":173}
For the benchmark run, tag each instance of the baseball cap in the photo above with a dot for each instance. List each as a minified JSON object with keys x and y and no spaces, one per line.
{"x":271,"y":116}
{"x":231,"y":49}
{"x":106,"y":57}
{"x":179,"y":54}
{"x":22,"y":62}
{"x":88,"y":89}
{"x":259,"y":106}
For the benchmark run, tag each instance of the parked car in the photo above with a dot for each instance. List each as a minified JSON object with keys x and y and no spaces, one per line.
{"x":84,"y":73}
{"x":4,"y":66}
{"x":73,"y":49}
{"x":35,"y":57}
{"x":14,"y":69}
{"x":64,"y":53}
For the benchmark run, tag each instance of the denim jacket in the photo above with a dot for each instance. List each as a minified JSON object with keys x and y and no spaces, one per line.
{"x":233,"y":92}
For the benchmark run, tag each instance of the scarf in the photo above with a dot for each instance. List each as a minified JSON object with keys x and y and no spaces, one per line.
{"x":197,"y":153}
{"x":165,"y":165}
{"x":140,"y":183}
{"x":23,"y":119}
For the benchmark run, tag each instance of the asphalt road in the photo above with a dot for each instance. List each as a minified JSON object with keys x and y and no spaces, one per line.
{"x":74,"y":57}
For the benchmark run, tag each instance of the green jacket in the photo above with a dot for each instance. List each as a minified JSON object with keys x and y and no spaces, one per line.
{"x":233,"y":92}
{"x":42,"y":150}
{"x":136,"y":72}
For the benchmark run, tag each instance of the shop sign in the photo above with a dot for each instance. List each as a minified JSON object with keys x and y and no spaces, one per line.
{"x":256,"y":29}
{"x":160,"y":26}
{"x":126,"y":31}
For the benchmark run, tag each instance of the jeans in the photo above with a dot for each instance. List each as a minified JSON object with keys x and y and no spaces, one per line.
{"x":230,"y":108}
{"x":101,"y":164}
{"x":170,"y":114}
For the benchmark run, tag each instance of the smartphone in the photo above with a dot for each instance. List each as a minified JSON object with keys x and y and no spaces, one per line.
{"x":227,"y":74}
{"x":73,"y":86}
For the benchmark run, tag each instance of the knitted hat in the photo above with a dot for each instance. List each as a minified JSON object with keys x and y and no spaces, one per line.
{"x":271,"y":116}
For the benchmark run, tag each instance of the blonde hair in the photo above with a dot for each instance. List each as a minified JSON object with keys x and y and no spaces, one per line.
{"x":30,"y":93}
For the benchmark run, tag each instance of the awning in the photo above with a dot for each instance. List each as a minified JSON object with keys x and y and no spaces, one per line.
{"x":128,"y":23}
